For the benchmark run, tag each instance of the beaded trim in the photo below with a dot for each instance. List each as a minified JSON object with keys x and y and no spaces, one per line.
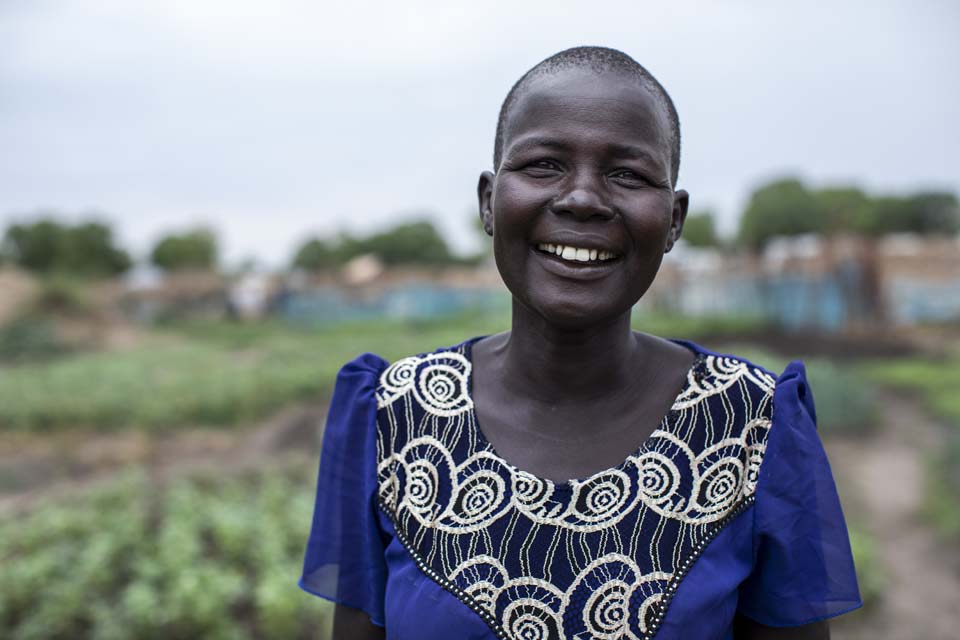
{"x":453,"y":589}
{"x":663,"y":607}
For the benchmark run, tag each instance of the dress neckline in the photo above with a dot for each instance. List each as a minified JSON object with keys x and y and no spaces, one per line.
{"x":666,"y":423}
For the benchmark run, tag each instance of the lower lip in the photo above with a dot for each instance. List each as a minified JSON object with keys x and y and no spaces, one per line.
{"x":575,"y":270}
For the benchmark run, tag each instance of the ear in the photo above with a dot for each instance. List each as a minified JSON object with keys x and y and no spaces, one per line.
{"x":485,"y":199}
{"x":681,"y":203}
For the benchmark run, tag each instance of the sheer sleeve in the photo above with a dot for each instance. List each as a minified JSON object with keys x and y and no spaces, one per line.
{"x":803,"y":570}
{"x":344,"y":559}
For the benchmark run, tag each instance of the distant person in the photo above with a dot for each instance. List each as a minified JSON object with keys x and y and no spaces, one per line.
{"x":572,"y":478}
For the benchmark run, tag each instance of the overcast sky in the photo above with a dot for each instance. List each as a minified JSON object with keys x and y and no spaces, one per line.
{"x":275,"y":120}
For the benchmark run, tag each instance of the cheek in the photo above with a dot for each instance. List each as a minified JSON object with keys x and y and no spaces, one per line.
{"x":515,"y":210}
{"x":515,"y":200}
{"x":651,"y":222}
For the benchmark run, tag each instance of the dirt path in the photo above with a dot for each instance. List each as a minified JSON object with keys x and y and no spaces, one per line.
{"x":39,"y":467}
{"x":882,"y":482}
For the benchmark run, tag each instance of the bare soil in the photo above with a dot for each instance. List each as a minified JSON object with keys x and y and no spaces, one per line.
{"x":34,"y":467}
{"x":882,"y":482}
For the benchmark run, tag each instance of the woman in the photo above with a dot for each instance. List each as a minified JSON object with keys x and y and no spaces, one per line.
{"x":571,"y":478}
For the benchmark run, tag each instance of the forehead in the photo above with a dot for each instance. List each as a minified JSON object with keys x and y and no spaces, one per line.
{"x":581,"y":104}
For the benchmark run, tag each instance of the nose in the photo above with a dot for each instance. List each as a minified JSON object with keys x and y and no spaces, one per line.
{"x":583,"y":199}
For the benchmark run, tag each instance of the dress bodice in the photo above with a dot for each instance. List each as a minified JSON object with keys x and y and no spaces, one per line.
{"x":588,"y":558}
{"x":728,"y":507}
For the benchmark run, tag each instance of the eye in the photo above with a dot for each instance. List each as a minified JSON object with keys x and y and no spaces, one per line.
{"x":542,"y":168}
{"x":628,"y":178}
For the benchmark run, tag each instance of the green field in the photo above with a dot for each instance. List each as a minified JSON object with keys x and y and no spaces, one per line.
{"x":217,"y":554}
{"x":212,"y":374}
{"x":225,"y":374}
{"x":208,"y":556}
{"x":934,"y":381}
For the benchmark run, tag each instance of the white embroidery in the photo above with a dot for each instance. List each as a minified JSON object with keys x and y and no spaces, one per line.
{"x":723,"y":371}
{"x":438,"y":381}
{"x":421,"y":485}
{"x":532,"y":608}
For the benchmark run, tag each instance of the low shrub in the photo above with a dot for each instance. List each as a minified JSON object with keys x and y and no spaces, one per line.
{"x":942,"y":505}
{"x":870,"y":573}
{"x":30,"y":338}
{"x":846,"y":402}
{"x":205,"y":557}
{"x":935,"y":382}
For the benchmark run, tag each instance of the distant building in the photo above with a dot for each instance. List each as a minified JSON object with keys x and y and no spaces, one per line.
{"x":836,"y":283}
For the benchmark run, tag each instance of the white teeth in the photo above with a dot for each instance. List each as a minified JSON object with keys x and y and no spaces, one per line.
{"x":576,"y":254}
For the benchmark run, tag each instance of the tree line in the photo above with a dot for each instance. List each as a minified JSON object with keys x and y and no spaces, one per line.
{"x":89,"y":249}
{"x":781,"y":207}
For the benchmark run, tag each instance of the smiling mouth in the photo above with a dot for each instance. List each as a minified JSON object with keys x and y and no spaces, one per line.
{"x":570,"y":253}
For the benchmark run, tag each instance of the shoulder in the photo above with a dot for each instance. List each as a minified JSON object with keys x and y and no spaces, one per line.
{"x":366,"y":367}
{"x":739,"y":400}
{"x":726,"y":376}
{"x":437,"y":381}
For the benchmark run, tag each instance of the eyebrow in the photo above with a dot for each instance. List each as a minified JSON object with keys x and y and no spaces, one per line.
{"x":527,"y":144}
{"x":619,"y":150}
{"x":630,"y":151}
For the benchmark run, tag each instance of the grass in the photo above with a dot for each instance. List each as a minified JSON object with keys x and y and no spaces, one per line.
{"x":30,"y":338}
{"x":205,"y":557}
{"x":206,"y":374}
{"x":697,"y":326}
{"x":942,"y":506}
{"x":935,"y":381}
{"x":225,"y":374}
{"x":211,"y":556}
{"x":870,"y":572}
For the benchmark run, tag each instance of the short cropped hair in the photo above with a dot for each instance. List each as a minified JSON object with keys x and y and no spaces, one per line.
{"x":598,"y":60}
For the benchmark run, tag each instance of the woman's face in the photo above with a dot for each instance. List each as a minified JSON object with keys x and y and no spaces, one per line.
{"x":585,"y":174}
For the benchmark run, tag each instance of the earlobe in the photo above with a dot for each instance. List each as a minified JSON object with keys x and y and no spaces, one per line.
{"x":485,"y":201}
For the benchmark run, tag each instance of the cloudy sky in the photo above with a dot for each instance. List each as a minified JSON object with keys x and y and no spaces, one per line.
{"x":275,"y":120}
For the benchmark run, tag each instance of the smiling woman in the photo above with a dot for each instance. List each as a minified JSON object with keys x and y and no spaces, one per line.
{"x":572,"y":478}
{"x":587,"y":164}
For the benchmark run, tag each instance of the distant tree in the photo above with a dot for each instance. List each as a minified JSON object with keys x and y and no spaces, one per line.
{"x":47,"y":246}
{"x":846,"y":209}
{"x":35,"y":247}
{"x":316,"y":254}
{"x":407,"y":243}
{"x":782,"y":207}
{"x":699,"y":229}
{"x":936,"y":212}
{"x":925,"y":213}
{"x":195,"y":249}
{"x":410,"y":243}
{"x":89,"y":249}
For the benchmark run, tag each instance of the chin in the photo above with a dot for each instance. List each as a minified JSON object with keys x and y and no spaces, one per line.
{"x":574,"y":315}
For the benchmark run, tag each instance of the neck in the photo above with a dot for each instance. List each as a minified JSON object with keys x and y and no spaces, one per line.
{"x":553,"y":365}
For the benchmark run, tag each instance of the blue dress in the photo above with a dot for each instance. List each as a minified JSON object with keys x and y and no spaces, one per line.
{"x":729,"y":506}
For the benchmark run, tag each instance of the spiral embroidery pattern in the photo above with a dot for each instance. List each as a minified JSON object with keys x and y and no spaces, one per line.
{"x":596,"y":558}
